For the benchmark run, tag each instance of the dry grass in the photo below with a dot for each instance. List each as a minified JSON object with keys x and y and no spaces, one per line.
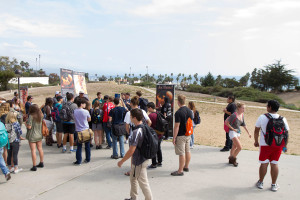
{"x":210,"y":131}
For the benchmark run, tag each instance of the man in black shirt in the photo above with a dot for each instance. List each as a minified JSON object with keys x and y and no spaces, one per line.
{"x":180,"y":140}
{"x":229,"y":110}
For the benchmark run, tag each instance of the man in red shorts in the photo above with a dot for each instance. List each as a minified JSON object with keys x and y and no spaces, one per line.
{"x":268,"y":154}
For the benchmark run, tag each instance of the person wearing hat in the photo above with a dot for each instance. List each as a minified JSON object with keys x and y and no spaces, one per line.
{"x":81,"y":96}
{"x":57,"y":93}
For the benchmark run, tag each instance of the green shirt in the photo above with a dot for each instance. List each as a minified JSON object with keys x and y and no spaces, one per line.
{"x":35,"y":133}
{"x":100,"y":101}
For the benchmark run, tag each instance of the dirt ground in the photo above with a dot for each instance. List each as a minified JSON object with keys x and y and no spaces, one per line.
{"x":291,"y":98}
{"x":210,"y":132}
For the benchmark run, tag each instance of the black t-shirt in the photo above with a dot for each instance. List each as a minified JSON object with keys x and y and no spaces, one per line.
{"x":117,"y":114}
{"x":181,"y":116}
{"x":230,"y":108}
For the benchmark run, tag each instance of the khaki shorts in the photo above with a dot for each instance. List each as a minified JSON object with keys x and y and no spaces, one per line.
{"x":182,"y":145}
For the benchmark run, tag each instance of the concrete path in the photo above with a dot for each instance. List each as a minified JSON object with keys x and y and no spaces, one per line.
{"x":210,"y":177}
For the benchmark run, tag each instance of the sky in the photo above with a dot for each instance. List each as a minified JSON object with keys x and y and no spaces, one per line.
{"x":226,"y":37}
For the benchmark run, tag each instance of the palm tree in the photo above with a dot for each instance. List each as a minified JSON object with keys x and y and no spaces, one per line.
{"x":189,"y":78}
{"x":196,"y":77}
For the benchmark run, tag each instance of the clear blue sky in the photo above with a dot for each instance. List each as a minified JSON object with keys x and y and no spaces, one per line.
{"x":229,"y":37}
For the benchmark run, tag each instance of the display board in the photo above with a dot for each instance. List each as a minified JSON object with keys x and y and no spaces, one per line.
{"x":72,"y":82}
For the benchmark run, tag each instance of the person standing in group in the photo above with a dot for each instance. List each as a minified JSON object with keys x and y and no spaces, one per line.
{"x":270,"y":153}
{"x":81,"y":96}
{"x":14,"y":134}
{"x":138,"y":174}
{"x":229,"y":110}
{"x":157,"y":160}
{"x":166,"y":110}
{"x":67,"y":116}
{"x":28,"y":104}
{"x":192,"y":107}
{"x":34,"y":135}
{"x":57,"y":94}
{"x":82,"y":118}
{"x":142,"y":101}
{"x":17,"y":107}
{"x":127,"y":100}
{"x":234,"y":122}
{"x":16,"y":95}
{"x":180,"y":139}
{"x":59,"y":124}
{"x":116,"y":117}
{"x":98,"y":98}
{"x":49,"y":120}
{"x":97,"y":127}
{"x":3,"y":167}
{"x":107,"y":106}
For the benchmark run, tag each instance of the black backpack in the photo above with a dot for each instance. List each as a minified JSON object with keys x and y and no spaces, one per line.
{"x":149,"y":145}
{"x":97,"y":116}
{"x":161,"y":122}
{"x":66,"y":113}
{"x":276,"y":132}
{"x":143,"y":104}
{"x":197,"y":119}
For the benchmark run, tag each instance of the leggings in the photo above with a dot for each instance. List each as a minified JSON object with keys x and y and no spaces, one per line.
{"x":13,"y":151}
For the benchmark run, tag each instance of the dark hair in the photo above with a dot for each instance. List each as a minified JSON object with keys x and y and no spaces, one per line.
{"x":137,"y":113}
{"x":59,"y":98}
{"x":98,"y":93}
{"x":29,"y":97}
{"x":134,"y":101}
{"x":274,"y":105}
{"x":167,"y":100}
{"x":139,"y":93}
{"x":110,"y":99}
{"x":116,"y":101}
{"x":231,"y":97}
{"x":10,"y":103}
{"x":127,"y":93}
{"x":70,"y":96}
{"x":15,"y":93}
{"x":36,"y":113}
{"x":80,"y":101}
{"x":49,"y":102}
{"x":15,"y":100}
{"x":105,"y":97}
{"x":151,"y":105}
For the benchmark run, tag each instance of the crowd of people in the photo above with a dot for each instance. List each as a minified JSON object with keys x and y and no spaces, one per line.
{"x":123,"y":120}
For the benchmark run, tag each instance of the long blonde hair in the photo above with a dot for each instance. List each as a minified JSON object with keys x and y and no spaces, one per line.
{"x":11,"y":118}
{"x":4,"y":109}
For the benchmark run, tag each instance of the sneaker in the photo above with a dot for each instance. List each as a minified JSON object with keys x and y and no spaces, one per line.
{"x":12,"y":170}
{"x":33,"y":168}
{"x":108,"y":147}
{"x":128,"y":199}
{"x":191,"y":147}
{"x":91,"y":145}
{"x":76,"y":163}
{"x":64,"y":150}
{"x":40,"y":165}
{"x":72,"y":150}
{"x":151,"y":166}
{"x":186,"y":169}
{"x":225,"y":149}
{"x":114,"y":157}
{"x":260,"y":185}
{"x":85,"y":161}
{"x":7,"y":177}
{"x":18,"y":170}
{"x":159,"y":165}
{"x":100,"y":147}
{"x":126,"y":142}
{"x":275,"y":187}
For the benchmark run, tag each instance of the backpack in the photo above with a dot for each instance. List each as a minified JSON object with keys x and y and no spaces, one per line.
{"x":161,"y":122}
{"x":197,"y":119}
{"x":66,"y":113}
{"x":97,"y":116}
{"x":55,"y":114}
{"x":143,"y":104}
{"x":189,"y":127}
{"x":276,"y":132}
{"x":3,"y":136}
{"x":149,"y":145}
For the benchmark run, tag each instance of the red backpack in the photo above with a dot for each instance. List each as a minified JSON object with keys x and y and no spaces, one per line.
{"x":276,"y":134}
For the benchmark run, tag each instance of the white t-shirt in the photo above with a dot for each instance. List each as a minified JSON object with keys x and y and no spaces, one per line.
{"x":262,"y":123}
{"x":128,"y":121}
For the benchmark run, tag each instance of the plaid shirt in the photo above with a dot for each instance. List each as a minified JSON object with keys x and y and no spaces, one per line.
{"x":17,"y":128}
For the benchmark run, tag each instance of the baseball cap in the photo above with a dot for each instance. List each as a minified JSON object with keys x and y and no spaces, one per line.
{"x":81,"y":92}
{"x":57,"y":92}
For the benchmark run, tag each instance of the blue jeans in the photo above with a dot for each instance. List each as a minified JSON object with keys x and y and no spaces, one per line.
{"x":108,"y":133}
{"x":115,"y":145}
{"x":192,"y":137}
{"x":2,"y":163}
{"x":87,"y":152}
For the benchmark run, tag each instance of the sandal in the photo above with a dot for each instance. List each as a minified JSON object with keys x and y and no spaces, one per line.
{"x":127,"y":173}
{"x":176,"y":173}
{"x":186,"y":169}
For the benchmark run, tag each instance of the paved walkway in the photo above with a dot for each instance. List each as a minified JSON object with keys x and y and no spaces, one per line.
{"x":210,"y":177}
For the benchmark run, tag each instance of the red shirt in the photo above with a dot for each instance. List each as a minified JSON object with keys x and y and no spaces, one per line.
{"x":107,"y":110}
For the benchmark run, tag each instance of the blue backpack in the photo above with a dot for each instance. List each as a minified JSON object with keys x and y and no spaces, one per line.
{"x":3,"y":136}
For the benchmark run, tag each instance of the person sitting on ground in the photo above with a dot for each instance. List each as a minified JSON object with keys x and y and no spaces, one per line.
{"x":180,"y":140}
{"x":82,"y":117}
{"x":34,"y":135}
{"x":138,"y":174}
{"x":14,"y":134}
{"x":269,"y":154}
{"x":116,"y":117}
{"x":234,"y":122}
{"x":157,"y":160}
{"x":229,"y":110}
{"x":99,"y":99}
